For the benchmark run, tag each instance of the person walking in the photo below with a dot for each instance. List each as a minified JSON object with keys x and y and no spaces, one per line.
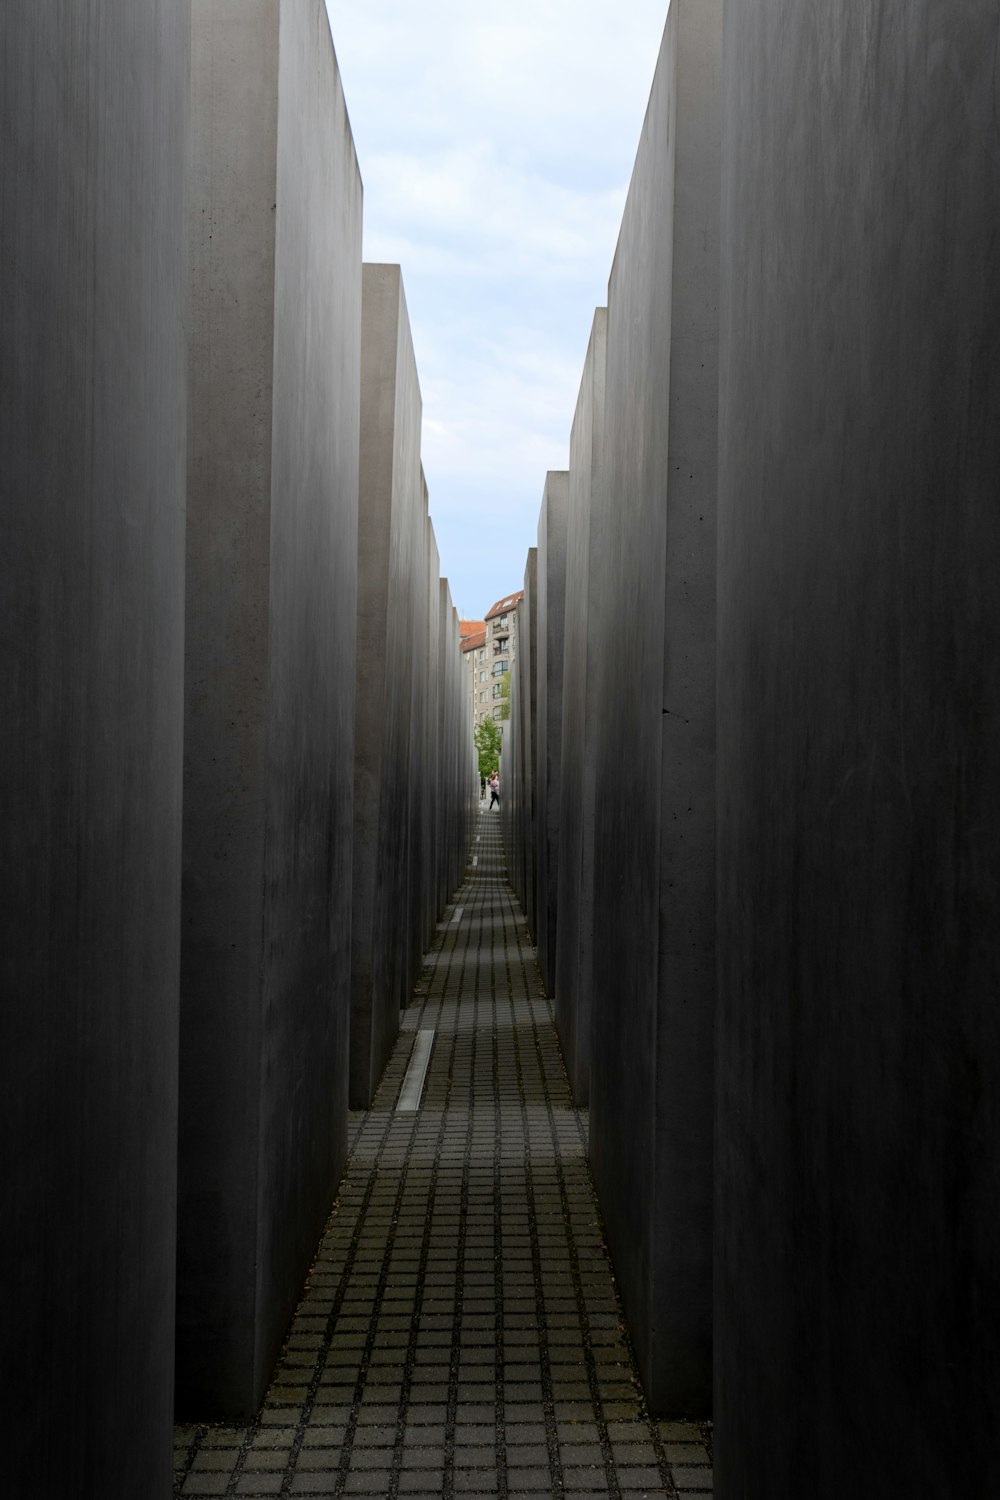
{"x":495,"y":789}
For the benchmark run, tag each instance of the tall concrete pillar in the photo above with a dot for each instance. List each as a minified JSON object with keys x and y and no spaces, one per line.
{"x":527,"y":658}
{"x":654,"y":890}
{"x":548,"y":737}
{"x":429,"y":790}
{"x":461,"y":765}
{"x":270,"y":647}
{"x":586,"y":592}
{"x":858,"y":1155}
{"x":448,"y":769}
{"x":93,"y":296}
{"x":389,"y":494}
{"x":412,"y":801}
{"x":512,"y":770}
{"x":508,"y":788}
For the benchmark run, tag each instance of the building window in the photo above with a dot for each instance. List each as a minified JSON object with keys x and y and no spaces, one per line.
{"x":501,"y":623}
{"x":499,"y":668}
{"x":482,"y":677}
{"x":482,"y":654}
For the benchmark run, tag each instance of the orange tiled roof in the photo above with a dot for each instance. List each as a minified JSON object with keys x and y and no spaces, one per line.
{"x":471,"y":627}
{"x":471,"y":642}
{"x":502,"y":606}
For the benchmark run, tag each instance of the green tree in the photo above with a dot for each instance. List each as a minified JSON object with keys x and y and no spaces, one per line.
{"x":488,"y":742}
{"x":505,"y":696}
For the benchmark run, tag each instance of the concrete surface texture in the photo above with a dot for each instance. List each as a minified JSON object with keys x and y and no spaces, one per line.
{"x":92,"y":433}
{"x":859,"y":1049}
{"x":269,"y":710}
{"x":410,"y":810}
{"x":390,"y":498}
{"x":509,"y":789}
{"x":462,"y":762}
{"x":428,"y":789}
{"x":460,"y":1333}
{"x":654,"y":888}
{"x":527,"y":661}
{"x":510,"y":778}
{"x":517,"y":730}
{"x":458,"y":778}
{"x":417,"y":761}
{"x":587,"y":586}
{"x":548,"y":719}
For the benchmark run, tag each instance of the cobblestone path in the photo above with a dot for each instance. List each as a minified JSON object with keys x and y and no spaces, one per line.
{"x":459,"y":1334}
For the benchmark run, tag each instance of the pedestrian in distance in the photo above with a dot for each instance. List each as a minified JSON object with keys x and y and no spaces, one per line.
{"x":494,"y":790}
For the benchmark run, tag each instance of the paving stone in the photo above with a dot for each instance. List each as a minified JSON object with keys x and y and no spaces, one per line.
{"x":586,"y":1476}
{"x":638,"y":1479}
{"x":424,"y":1435}
{"x":215,"y":1458}
{"x":698,"y":1481}
{"x":423,"y":1458}
{"x":205,"y":1483}
{"x":374,"y":1435}
{"x":229,"y":1437}
{"x":476,"y":1481}
{"x":581,"y":1453}
{"x":361,"y":1482}
{"x":418,"y":1414}
{"x":318,"y":1458}
{"x":526,"y":1455}
{"x":574,"y":1411}
{"x":534,"y":1478}
{"x":369,"y":1458}
{"x":679,"y":1432}
{"x":266,"y":1458}
{"x":482,"y":1456}
{"x":686,"y":1453}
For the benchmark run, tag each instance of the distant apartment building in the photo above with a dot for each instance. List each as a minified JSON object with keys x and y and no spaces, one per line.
{"x":490,"y":648}
{"x":473,"y":640}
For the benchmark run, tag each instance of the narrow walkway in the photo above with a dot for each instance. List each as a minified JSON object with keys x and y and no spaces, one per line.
{"x":460,"y":1333}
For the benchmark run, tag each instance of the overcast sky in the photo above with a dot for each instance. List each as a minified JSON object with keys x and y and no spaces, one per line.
{"x":496,"y":144}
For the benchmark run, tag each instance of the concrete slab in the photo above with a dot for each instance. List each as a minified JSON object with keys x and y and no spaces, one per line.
{"x":390,"y":494}
{"x":654,"y":889}
{"x":429,"y":791}
{"x":416,"y":764}
{"x":527,"y":636}
{"x":508,"y":782}
{"x":448,"y":767}
{"x":269,"y":726}
{"x":583,"y":641}
{"x":548,"y":738}
{"x":859,"y":1045}
{"x":93,"y":292}
{"x":512,"y":768}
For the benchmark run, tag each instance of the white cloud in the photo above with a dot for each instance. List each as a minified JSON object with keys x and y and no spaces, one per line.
{"x":495,"y":145}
